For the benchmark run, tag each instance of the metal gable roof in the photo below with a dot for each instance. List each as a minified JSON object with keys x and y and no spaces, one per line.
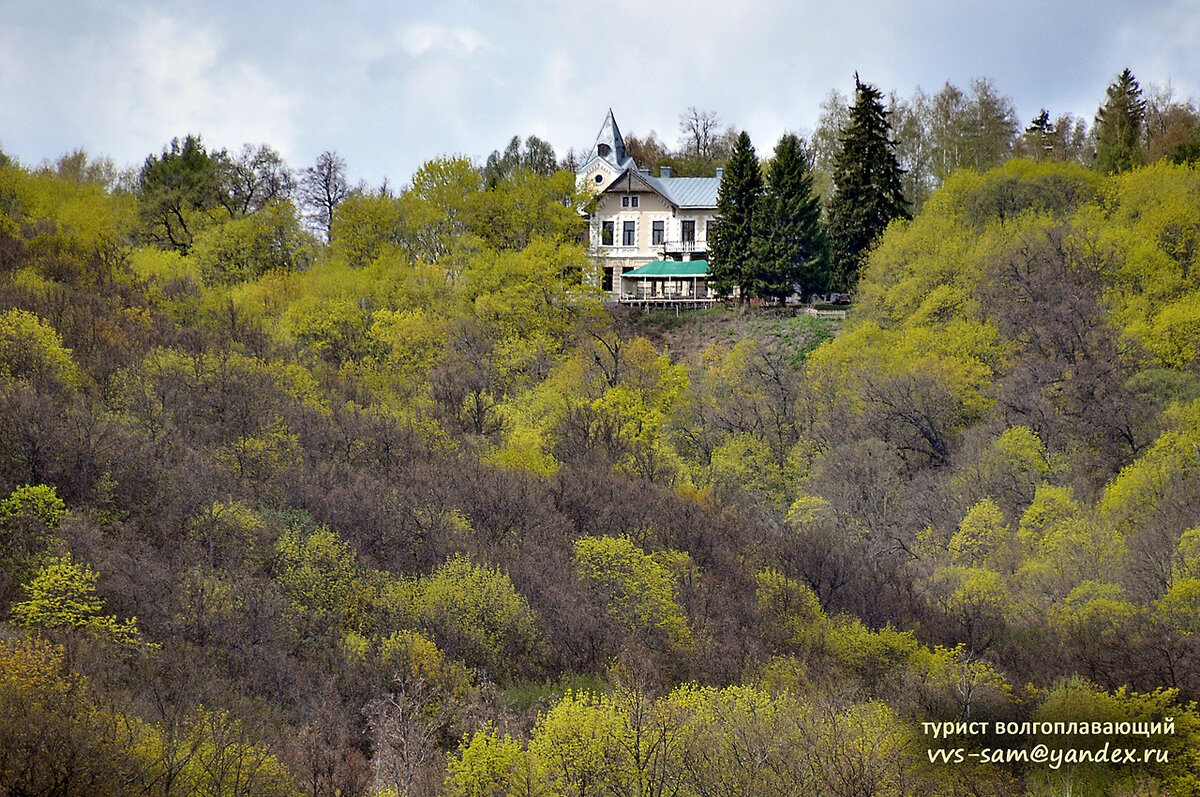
{"x":688,"y":192}
{"x":682,"y":192}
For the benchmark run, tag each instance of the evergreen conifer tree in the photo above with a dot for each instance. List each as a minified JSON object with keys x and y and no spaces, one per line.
{"x":867,"y":192}
{"x":730,"y":250}
{"x":1119,"y":126}
{"x":790,"y":250}
{"x":1036,"y":142}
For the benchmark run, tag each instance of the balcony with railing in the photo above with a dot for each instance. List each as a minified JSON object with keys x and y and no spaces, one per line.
{"x":684,"y":246}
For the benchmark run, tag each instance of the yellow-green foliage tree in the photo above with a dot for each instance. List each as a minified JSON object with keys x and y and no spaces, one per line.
{"x":524,"y":206}
{"x":955,"y":683}
{"x":638,"y":592}
{"x":28,"y":519}
{"x":332,"y":330}
{"x":366,"y":227}
{"x":476,"y":615}
{"x":610,"y":401}
{"x":410,"y":657}
{"x":71,"y":225}
{"x":61,"y":599}
{"x":231,"y":534}
{"x":1148,"y":218}
{"x":1006,"y":472}
{"x":316,"y":570}
{"x":413,"y":340}
{"x":1068,"y":551}
{"x":1179,"y":608}
{"x":576,"y":742}
{"x":32,"y":351}
{"x":1138,"y":493}
{"x":438,"y":204}
{"x":247,"y":247}
{"x":1177,"y":771}
{"x":1095,"y":622}
{"x":493,"y":766}
{"x":737,"y":422}
{"x":792,"y":616}
{"x":984,"y":539}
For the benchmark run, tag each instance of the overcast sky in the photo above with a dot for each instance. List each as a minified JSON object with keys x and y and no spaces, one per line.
{"x":390,"y":85}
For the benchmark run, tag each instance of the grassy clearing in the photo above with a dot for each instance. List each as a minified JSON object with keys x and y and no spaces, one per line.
{"x":540,"y":695}
{"x":685,"y":335}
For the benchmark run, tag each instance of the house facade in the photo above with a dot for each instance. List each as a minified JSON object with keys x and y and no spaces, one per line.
{"x":651,"y":233}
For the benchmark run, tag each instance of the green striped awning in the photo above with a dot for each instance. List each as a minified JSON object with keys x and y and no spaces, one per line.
{"x":670,"y":268}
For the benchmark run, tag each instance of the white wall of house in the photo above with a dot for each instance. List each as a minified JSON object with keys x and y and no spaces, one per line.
{"x":651,"y":208}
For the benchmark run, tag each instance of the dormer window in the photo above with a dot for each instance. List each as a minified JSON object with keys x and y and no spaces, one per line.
{"x":603,"y":150}
{"x":599,"y":178}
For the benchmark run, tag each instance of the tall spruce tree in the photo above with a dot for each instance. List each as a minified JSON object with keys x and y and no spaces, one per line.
{"x":731,"y":249}
{"x":1037,"y":141}
{"x":790,"y":249}
{"x":867,"y":192}
{"x":1119,"y":126}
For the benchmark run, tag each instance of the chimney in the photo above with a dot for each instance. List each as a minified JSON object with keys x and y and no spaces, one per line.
{"x":720,"y":172}
{"x":644,"y":172}
{"x":665,"y":172}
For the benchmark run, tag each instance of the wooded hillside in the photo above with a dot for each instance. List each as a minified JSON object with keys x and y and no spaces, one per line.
{"x":409,"y":512}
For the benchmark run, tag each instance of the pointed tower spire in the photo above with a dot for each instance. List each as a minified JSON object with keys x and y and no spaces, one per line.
{"x":609,"y":144}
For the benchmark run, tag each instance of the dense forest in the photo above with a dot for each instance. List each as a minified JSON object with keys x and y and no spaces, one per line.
{"x":314,"y":489}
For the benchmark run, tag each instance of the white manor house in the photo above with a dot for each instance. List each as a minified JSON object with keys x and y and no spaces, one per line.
{"x":652,"y":233}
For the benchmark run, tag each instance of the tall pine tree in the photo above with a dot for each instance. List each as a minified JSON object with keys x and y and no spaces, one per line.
{"x":730,"y":250}
{"x":1119,"y":126}
{"x":790,"y":250}
{"x":866,"y":178}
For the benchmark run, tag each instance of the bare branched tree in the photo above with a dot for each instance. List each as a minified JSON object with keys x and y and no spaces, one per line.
{"x":700,"y":131}
{"x":407,"y":724}
{"x":253,"y":178}
{"x":323,"y":186}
